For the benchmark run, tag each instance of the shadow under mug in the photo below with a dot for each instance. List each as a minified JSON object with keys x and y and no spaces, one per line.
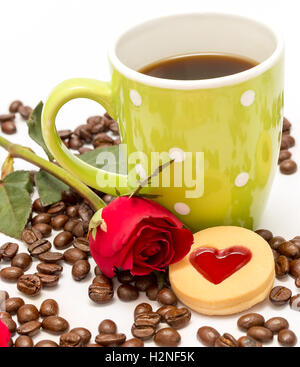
{"x":223,"y":134}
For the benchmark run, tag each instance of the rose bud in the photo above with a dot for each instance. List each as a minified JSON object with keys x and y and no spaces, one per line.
{"x":4,"y":335}
{"x":139,"y":235}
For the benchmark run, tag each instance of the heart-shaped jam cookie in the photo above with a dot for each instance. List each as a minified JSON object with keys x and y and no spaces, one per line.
{"x":217,"y":265}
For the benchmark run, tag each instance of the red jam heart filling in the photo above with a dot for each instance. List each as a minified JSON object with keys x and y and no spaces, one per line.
{"x":217,"y":265}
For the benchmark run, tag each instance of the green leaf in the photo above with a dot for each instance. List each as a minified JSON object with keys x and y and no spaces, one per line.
{"x":49,"y":187}
{"x":116,"y":165}
{"x":15,"y":208}
{"x":20,"y":180}
{"x":35,"y":129}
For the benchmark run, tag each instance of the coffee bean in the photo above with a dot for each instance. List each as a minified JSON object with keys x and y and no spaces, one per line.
{"x":260,"y":334}
{"x":74,"y":254}
{"x":27,"y":313}
{"x":286,"y":125}
{"x":7,"y":117}
{"x":11,"y":274}
{"x":51,"y":257}
{"x":84,"y":150}
{"x":102,"y":138}
{"x":72,"y":211}
{"x":147,"y":319}
{"x":295,"y":268}
{"x":178,"y":318}
{"x":142,"y":308}
{"x":12,"y":305}
{"x":49,"y":307}
{"x":152,"y":291}
{"x":166,"y":297}
{"x":167,"y":337}
{"x":84,"y":133}
{"x":70,"y":197}
{"x":43,"y":228}
{"x":57,"y":208}
{"x":46,"y":344}
{"x":145,"y":281}
{"x":288,"y":167}
{"x":107,"y":327}
{"x":59,"y":221}
{"x":95,"y":120}
{"x":125,"y":277}
{"x":11,"y":325}
{"x":22,"y":261}
{"x":296,"y":241}
{"x":69,"y":226}
{"x":30,"y":328}
{"x":295,"y":302}
{"x":207,"y":336}
{"x":102,"y":279}
{"x":143,"y":332}
{"x":80,"y":269}
{"x":41,"y":218}
{"x":275,"y":324}
{"x":55,"y":324}
{"x":162,"y":311}
{"x":8,"y":250}
{"x":297,"y":282}
{"x":3,"y":296}
{"x":38,"y":207}
{"x":29,"y":284}
{"x":25,"y":111}
{"x":4,"y":315}
{"x":14,"y":106}
{"x":29,"y":236}
{"x":49,"y":268}
{"x":265,"y":234}
{"x":75,"y":142}
{"x":287,"y":141}
{"x":110,"y":340}
{"x":282,"y":266}
{"x":249,"y":320}
{"x":65,"y":134}
{"x":133,"y":343}
{"x":85,"y":212}
{"x":289,"y":249}
{"x":24,"y":341}
{"x":48,"y":280}
{"x":78,"y":230}
{"x":90,"y":345}
{"x":287,"y":338}
{"x":114,"y":128}
{"x":225,"y":341}
{"x":100,"y":292}
{"x":127,"y":292}
{"x":280,"y":295}
{"x":83,"y":333}
{"x":8,"y":127}
{"x":39,"y":247}
{"x":275,"y":242}
{"x":284,"y":155}
{"x":70,"y":340}
{"x":248,"y":342}
{"x":63,"y":240}
{"x":82,"y":244}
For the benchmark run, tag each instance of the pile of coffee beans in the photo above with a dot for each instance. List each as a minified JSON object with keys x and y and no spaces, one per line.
{"x":7,"y":121}
{"x":286,"y":164}
{"x":258,"y":332}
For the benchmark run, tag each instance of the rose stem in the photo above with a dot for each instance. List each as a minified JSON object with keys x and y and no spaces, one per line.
{"x":17,"y":151}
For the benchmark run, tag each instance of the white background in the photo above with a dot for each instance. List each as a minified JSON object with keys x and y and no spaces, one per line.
{"x":45,"y":42}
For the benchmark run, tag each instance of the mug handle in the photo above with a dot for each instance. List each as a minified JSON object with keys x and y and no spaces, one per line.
{"x":80,"y":88}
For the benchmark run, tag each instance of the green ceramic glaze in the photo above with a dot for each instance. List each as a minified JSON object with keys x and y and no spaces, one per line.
{"x":237,"y":128}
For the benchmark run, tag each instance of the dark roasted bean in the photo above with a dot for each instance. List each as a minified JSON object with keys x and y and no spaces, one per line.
{"x":164,"y":309}
{"x":49,"y":268}
{"x":74,"y":254}
{"x":85,"y":212}
{"x":100,"y":292}
{"x":248,"y":342}
{"x":51,"y":257}
{"x":39,"y":247}
{"x":102,"y":138}
{"x":275,"y":324}
{"x":78,"y":230}
{"x":107,"y":327}
{"x":260,"y":334}
{"x":225,"y":341}
{"x":29,"y":284}
{"x":102,"y":279}
{"x":63,"y":240}
{"x":41,"y":218}
{"x":46,"y":344}
{"x":83,"y":333}
{"x":48,"y":280}
{"x":142,"y":308}
{"x":127,"y":292}
{"x":14,"y":106}
{"x":166,"y":297}
{"x":287,"y":141}
{"x":125,"y":277}
{"x":11,"y":274}
{"x":8,"y":250}
{"x":80,"y":269}
{"x":24,"y":341}
{"x":11,"y":305}
{"x":70,"y":340}
{"x":110,"y":340}
{"x":43,"y":228}
{"x":295,"y":302}
{"x":288,"y":167}
{"x":275,"y":242}
{"x":11,"y":325}
{"x":152,"y":292}
{"x":265,"y":233}
{"x":95,"y":120}
{"x":289,"y":249}
{"x":178,"y":318}
{"x":7,"y":117}
{"x":297,"y":282}
{"x":25,"y":112}
{"x":70,"y":225}
{"x":287,"y":338}
{"x":280,"y":295}
{"x":22,"y":261}
{"x":284,"y":155}
{"x":133,"y":343}
{"x":29,"y":236}
{"x":147,"y":319}
{"x":55,"y":324}
{"x":59,"y":221}
{"x":84,"y":150}
{"x":38,"y":207}
{"x":295,"y":268}
{"x":207,"y":336}
{"x":75,"y":142}
{"x":70,"y":197}
{"x":282,"y":266}
{"x":82,"y":244}
{"x":57,"y":208}
{"x":72,"y":211}
{"x":27,"y":313}
{"x":145,"y":281}
{"x":49,"y":308}
{"x":143,"y":332}
{"x":249,"y":320}
{"x":4,"y":315}
{"x":167,"y":337}
{"x":8,"y":127}
{"x":64,"y":134}
{"x":30,"y":328}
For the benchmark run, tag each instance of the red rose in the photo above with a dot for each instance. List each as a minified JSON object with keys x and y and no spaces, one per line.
{"x":140,"y":236}
{"x":4,"y":335}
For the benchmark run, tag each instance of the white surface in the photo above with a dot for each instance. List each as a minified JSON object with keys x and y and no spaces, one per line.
{"x":45,"y":42}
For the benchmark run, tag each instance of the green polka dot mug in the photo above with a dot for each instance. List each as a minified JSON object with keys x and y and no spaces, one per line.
{"x":221,"y":135}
